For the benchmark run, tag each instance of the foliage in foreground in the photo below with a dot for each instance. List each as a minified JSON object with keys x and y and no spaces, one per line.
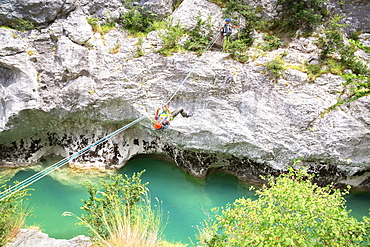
{"x":13,"y":213}
{"x":290,"y":211}
{"x":119,"y":213}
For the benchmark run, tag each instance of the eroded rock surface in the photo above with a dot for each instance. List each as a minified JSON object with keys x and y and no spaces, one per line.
{"x":64,"y":87}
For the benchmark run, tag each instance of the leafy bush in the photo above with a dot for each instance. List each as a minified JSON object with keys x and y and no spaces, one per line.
{"x":200,"y":35}
{"x":13,"y":213}
{"x":335,"y":53}
{"x":313,"y":70}
{"x":276,"y":67}
{"x":23,"y":25}
{"x":359,"y":86}
{"x":360,"y":45}
{"x":99,"y":26}
{"x":171,"y":37}
{"x":119,"y":213}
{"x":138,"y":19}
{"x":303,"y":15}
{"x":238,"y":10}
{"x":272,"y":42}
{"x":139,"y":49}
{"x":238,"y":49}
{"x":221,"y":3}
{"x":290,"y":211}
{"x":331,"y":39}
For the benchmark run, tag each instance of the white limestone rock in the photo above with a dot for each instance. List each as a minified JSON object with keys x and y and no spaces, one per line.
{"x":188,"y":11}
{"x":160,"y":7}
{"x":38,"y":12}
{"x":33,"y":237}
{"x":77,"y":28}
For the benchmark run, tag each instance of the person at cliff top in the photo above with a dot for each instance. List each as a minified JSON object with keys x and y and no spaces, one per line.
{"x":226,"y":30}
{"x":225,"y":33}
{"x":163,"y":119}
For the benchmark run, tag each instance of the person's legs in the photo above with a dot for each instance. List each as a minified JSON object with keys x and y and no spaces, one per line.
{"x":180,"y":110}
{"x":225,"y":44}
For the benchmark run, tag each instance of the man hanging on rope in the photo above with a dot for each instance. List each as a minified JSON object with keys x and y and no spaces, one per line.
{"x":225,"y":32}
{"x":163,"y":119}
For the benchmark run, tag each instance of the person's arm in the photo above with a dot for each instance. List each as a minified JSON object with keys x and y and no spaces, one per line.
{"x":166,"y":120}
{"x":156,"y":114}
{"x":166,"y":108}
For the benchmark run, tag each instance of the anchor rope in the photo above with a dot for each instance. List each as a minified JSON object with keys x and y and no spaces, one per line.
{"x":37,"y":176}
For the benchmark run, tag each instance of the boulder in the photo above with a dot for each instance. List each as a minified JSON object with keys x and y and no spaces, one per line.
{"x":38,"y":12}
{"x":33,"y":237}
{"x":160,"y":7}
{"x":189,"y":10}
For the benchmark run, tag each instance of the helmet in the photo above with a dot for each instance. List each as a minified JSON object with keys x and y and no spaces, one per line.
{"x":157,"y":125}
{"x":227,"y":19}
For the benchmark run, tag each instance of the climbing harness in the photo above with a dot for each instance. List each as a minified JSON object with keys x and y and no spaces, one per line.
{"x":226,"y":30}
{"x":19,"y":186}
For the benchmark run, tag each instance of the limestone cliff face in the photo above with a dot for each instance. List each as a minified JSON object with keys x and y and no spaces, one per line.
{"x":63,"y":88}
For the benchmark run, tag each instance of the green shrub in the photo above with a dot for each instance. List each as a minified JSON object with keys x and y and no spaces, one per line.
{"x":360,"y":45}
{"x":238,"y":49}
{"x":13,"y":213}
{"x":276,"y":67}
{"x":23,"y":25}
{"x":200,"y":35}
{"x":359,"y":86}
{"x":338,"y":57}
{"x":171,"y":37}
{"x":221,"y":3}
{"x":290,"y":211}
{"x":331,"y":40}
{"x":139,"y":49}
{"x":313,"y":70}
{"x":271,"y":42}
{"x":104,"y":201}
{"x":303,"y":15}
{"x":138,"y":19}
{"x":99,"y":26}
{"x":237,"y":10}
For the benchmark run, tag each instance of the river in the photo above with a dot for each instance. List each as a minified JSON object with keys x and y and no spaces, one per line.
{"x":185,"y":200}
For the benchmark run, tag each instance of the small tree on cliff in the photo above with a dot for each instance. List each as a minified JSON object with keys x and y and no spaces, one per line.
{"x":290,"y":211}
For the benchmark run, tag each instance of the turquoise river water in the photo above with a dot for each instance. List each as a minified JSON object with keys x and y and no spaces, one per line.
{"x":185,"y":199}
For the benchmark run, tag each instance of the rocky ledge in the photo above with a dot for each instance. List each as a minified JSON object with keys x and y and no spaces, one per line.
{"x":33,"y":237}
{"x":63,"y":88}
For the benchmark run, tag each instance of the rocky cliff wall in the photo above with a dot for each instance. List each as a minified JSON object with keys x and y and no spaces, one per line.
{"x":63,"y":88}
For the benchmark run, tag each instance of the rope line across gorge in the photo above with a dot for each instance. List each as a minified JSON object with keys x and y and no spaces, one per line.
{"x":37,"y":176}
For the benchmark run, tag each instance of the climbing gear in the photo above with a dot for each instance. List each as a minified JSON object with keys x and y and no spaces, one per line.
{"x":227,"y":19}
{"x":21,"y":185}
{"x":226,"y":30}
{"x":163,"y":115}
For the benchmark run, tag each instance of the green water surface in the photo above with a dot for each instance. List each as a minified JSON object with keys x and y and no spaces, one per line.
{"x":185,"y":199}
